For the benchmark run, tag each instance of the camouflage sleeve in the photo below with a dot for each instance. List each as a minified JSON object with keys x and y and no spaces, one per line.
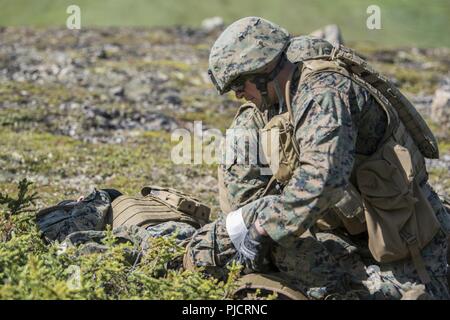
{"x":242,"y":178}
{"x":326,"y":137}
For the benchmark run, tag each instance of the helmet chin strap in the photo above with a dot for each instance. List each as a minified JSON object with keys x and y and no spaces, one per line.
{"x":261,"y":82}
{"x":261,"y":85}
{"x":280,"y":95}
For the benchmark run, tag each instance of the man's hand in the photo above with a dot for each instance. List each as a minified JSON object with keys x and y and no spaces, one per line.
{"x":253,"y":249}
{"x":113,"y":194}
{"x":260,"y":229}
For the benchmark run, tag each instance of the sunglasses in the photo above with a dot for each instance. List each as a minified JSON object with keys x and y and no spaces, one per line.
{"x":238,"y":85}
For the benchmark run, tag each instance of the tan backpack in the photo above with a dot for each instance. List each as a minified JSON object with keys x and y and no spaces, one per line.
{"x":157,"y":205}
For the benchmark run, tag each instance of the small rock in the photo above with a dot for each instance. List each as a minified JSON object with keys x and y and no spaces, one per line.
{"x":422,"y":103}
{"x":136,"y":91}
{"x":103,"y":54}
{"x":440,"y":109}
{"x":171,"y":97}
{"x":117,"y":91}
{"x":211,"y":24}
{"x":159,"y":122}
{"x":331,"y":33}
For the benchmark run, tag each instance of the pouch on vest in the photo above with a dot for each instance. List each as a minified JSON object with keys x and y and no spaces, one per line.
{"x":348,"y":212}
{"x":180,"y":201}
{"x":400,"y":220}
{"x":158,"y":205}
{"x":279,"y":150}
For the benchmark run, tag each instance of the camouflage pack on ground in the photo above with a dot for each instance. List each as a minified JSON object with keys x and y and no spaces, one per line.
{"x":91,"y":213}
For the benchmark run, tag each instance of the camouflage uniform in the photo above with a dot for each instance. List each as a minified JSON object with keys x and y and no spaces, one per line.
{"x":91,"y":240}
{"x":335,"y":119}
{"x":333,"y":126}
{"x":243,"y":180}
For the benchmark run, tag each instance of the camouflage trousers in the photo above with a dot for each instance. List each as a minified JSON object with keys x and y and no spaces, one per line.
{"x":91,"y":240}
{"x":329,"y":264}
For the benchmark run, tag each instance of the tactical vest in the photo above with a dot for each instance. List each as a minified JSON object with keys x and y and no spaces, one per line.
{"x":384,"y":197}
{"x":158,"y":205}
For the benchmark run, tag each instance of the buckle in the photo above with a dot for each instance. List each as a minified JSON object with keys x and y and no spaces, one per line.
{"x":334,"y":52}
{"x":409,"y":238}
{"x":214,"y":81}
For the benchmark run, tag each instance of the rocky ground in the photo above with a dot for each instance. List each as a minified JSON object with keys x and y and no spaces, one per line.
{"x":96,"y":107}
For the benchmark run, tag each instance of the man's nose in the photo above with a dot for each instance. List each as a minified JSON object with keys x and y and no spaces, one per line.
{"x":239,"y":94}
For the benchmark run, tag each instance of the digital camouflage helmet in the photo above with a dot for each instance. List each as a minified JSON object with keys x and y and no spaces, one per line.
{"x":245,"y":48}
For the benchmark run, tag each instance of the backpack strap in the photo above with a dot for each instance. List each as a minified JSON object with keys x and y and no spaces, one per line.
{"x":287,"y":99}
{"x":411,"y":118}
{"x":416,"y":257}
{"x":249,"y":105}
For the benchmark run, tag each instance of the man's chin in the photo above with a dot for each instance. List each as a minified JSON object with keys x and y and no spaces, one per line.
{"x":253,"y":100}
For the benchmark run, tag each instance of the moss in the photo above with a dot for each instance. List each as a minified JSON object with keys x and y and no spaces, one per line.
{"x":156,"y":37}
{"x":141,"y":65}
{"x":207,"y":112}
{"x":364,"y":47}
{"x":65,"y":162}
{"x":202,"y":47}
{"x":33,"y":269}
{"x":444,"y":147}
{"x":440,"y":176}
{"x":48,"y":94}
{"x":441,"y":132}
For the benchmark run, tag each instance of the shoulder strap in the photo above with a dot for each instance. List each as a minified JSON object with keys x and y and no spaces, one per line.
{"x":382,"y":89}
{"x":413,"y":121}
{"x":287,"y":98}
{"x":245,"y":106}
{"x":318,"y":66}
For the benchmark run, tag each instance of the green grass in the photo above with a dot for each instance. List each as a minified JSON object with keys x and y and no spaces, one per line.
{"x":31,"y":268}
{"x":143,"y":160}
{"x":404,"y":22}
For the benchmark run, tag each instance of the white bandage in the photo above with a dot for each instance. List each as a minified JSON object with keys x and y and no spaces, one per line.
{"x":236,"y":227}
